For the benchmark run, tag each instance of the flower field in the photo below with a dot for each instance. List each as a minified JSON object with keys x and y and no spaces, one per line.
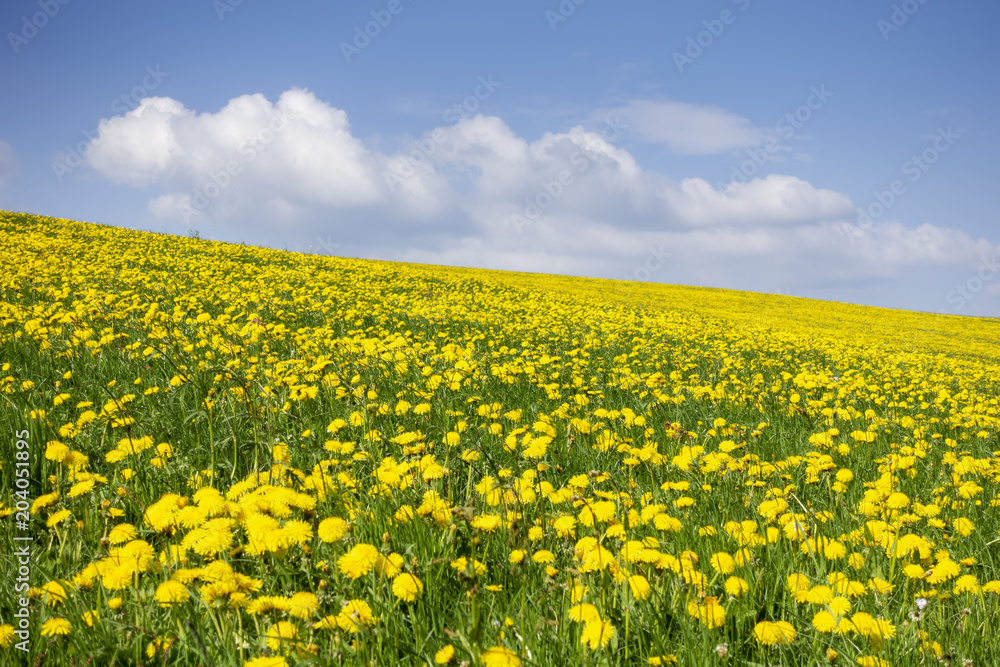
{"x":252,"y":458}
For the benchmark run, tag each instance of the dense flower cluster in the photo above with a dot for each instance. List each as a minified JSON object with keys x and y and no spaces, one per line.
{"x":292,"y":459}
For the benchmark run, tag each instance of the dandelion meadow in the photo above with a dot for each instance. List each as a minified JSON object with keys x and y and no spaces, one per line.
{"x":251,"y":458}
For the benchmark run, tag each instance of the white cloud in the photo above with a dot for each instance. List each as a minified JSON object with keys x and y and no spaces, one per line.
{"x":687,"y":129}
{"x":171,"y":207}
{"x":298,"y":149}
{"x":892,"y":244}
{"x":772,"y":200}
{"x":292,"y":172}
{"x":137,"y":149}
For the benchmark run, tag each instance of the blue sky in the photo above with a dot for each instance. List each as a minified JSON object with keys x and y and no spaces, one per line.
{"x":726,"y":143}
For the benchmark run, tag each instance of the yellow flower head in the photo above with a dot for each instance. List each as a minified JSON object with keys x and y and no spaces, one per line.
{"x":769,"y":633}
{"x":499,"y":656}
{"x":407,"y":587}
{"x":596,"y":634}
{"x":55,"y":627}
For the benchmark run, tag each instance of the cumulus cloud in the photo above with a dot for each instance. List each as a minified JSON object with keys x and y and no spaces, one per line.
{"x":775,"y":199}
{"x":475,"y":193}
{"x":893,"y":244}
{"x":298,"y":151}
{"x":688,"y":129}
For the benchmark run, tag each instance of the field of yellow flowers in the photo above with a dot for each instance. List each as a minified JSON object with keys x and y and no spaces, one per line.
{"x":226,"y":455}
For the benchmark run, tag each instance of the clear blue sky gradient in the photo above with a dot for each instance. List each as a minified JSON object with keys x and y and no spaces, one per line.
{"x":892,"y":91}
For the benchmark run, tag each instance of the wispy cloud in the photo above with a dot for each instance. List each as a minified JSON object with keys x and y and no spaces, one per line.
{"x":688,"y":129}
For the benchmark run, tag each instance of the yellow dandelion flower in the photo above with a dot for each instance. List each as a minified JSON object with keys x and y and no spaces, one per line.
{"x":565,"y":526}
{"x":281,"y":636}
{"x":326,"y":623}
{"x":214,"y":537}
{"x":121,"y":533}
{"x":819,"y":595}
{"x":332,"y":529}
{"x":596,"y":634}
{"x":53,"y":593}
{"x":543,"y":556}
{"x":603,"y":511}
{"x":56,"y":451}
{"x":264,"y":661}
{"x":486,"y":522}
{"x":407,"y":587}
{"x":445,"y":655}
{"x":736,"y":586}
{"x":170,"y":593}
{"x":943,"y":570}
{"x":297,"y":531}
{"x":499,"y":656}
{"x":55,"y":627}
{"x":640,"y":587}
{"x":58,"y":517}
{"x":839,"y":606}
{"x":722,"y":563}
{"x":582,"y":613}
{"x":863,"y":623}
{"x":354,"y":614}
{"x":43,"y":501}
{"x":769,"y":633}
{"x":834,"y":550}
{"x":359,"y":561}
{"x":963,"y":526}
{"x":827,"y":622}
{"x":709,"y":612}
{"x":118,"y":577}
{"x":897,"y":501}
{"x":303,"y":605}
